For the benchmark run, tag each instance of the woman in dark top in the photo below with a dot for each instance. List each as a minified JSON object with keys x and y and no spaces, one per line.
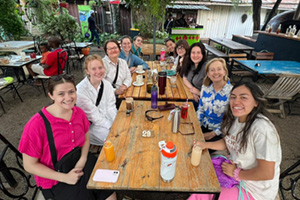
{"x":194,"y":69}
{"x":182,"y":48}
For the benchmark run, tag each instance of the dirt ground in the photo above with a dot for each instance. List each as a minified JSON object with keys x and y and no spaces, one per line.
{"x":18,"y":113}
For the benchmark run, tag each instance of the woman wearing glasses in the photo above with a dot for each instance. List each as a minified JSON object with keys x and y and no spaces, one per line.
{"x":69,"y":129}
{"x":214,"y":99}
{"x":136,"y":46}
{"x":96,"y":98}
{"x":117,"y":71}
{"x":181,"y":48}
{"x":194,"y":69}
{"x":131,"y":59}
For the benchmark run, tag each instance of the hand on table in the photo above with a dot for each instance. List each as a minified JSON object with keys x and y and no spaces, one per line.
{"x":228,"y":169}
{"x":122,"y":89}
{"x":132,"y":69}
{"x":195,"y":91}
{"x":196,"y":97}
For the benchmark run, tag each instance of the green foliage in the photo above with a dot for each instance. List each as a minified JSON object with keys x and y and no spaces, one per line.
{"x":63,"y":25}
{"x":106,"y":36}
{"x":11,"y":24}
{"x":38,"y":9}
{"x":145,"y":10}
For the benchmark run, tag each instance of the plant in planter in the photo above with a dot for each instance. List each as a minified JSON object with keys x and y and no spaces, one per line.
{"x":64,"y":25}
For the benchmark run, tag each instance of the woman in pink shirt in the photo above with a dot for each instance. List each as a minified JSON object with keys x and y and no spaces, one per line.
{"x":70,"y":129}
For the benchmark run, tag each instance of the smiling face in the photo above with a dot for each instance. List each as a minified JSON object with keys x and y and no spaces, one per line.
{"x":216,"y":72}
{"x":196,"y":55}
{"x":64,"y":96}
{"x":170,"y":46}
{"x":113,"y":50}
{"x":96,"y":71}
{"x":126,"y":45}
{"x":180,"y":51}
{"x":242,"y":102}
{"x":138,"y":42}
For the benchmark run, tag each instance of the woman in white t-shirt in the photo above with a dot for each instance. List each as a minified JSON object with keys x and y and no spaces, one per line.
{"x":253,"y":143}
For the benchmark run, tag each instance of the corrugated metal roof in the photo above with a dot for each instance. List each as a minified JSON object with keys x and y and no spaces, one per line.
{"x":188,"y":7}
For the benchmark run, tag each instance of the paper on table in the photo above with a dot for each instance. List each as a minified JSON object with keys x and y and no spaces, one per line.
{"x":106,"y":175}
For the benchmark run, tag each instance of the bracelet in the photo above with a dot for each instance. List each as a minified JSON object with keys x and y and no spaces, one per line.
{"x":236,"y":174}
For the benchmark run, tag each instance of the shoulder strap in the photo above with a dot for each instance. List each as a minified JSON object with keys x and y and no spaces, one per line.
{"x":50,"y":138}
{"x":100,"y":94}
{"x":116,"y":77}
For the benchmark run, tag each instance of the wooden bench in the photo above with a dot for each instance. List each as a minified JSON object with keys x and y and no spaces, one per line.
{"x":215,"y":52}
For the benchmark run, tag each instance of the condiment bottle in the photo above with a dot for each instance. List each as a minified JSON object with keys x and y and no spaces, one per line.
{"x":278,"y":29}
{"x":154,"y":96}
{"x":162,"y":54}
{"x":109,"y":150}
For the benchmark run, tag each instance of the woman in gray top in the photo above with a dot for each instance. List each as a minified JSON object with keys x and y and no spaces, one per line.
{"x":194,"y":69}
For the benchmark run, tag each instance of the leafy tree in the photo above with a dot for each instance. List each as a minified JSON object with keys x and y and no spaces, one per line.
{"x":10,"y":20}
{"x":62,"y":24}
{"x":145,"y":11}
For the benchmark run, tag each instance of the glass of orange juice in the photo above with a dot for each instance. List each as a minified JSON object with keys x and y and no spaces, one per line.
{"x":109,"y":150}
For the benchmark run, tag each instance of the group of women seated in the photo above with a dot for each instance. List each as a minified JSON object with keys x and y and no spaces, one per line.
{"x":231,"y":117}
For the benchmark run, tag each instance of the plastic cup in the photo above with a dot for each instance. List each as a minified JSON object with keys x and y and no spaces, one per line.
{"x":196,"y":155}
{"x":109,"y":150}
{"x":129,"y":104}
{"x":184,"y":110}
{"x":173,"y":81}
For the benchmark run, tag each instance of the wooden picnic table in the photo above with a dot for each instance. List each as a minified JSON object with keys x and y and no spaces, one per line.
{"x":138,"y":158}
{"x":231,"y":45}
{"x":180,"y":92}
{"x":16,"y":46}
{"x":147,"y":49}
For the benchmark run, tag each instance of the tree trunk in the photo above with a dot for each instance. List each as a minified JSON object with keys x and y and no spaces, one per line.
{"x":115,"y":16}
{"x":256,"y":14}
{"x":272,"y":14}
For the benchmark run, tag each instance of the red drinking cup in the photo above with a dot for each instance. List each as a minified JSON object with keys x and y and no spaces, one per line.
{"x":184,"y":111}
{"x":162,"y":82}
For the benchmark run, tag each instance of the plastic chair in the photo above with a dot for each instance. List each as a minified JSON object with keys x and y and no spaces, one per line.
{"x":62,"y":63}
{"x":8,"y":83}
{"x":15,"y":182}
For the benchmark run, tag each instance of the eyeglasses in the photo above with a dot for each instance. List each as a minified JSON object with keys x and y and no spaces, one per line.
{"x":152,"y":118}
{"x":138,"y":40}
{"x":113,"y":48}
{"x":180,"y":48}
{"x":62,"y":76}
{"x":188,"y":133}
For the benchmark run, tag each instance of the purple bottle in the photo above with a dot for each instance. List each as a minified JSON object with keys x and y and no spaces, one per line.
{"x":154,"y":96}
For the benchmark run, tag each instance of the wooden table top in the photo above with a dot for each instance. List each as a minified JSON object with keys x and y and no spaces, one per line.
{"x":235,"y":46}
{"x":138,"y":158}
{"x":180,"y":92}
{"x":147,"y":49}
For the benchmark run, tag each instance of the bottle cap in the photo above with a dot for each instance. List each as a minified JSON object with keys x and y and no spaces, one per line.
{"x":170,"y":150}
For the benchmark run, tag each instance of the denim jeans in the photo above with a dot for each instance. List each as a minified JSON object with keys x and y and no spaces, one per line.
{"x":94,"y":34}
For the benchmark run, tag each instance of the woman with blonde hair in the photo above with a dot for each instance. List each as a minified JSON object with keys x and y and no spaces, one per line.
{"x":96,"y":98}
{"x":214,"y":98}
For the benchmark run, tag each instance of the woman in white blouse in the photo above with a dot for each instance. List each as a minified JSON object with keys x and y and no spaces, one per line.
{"x":96,"y":98}
{"x":117,"y":71}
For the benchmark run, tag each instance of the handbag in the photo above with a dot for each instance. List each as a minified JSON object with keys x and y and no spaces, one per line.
{"x":227,"y":181}
{"x":69,"y":160}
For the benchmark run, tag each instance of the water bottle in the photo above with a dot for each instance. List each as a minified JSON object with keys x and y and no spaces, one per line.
{"x":176,"y":119}
{"x":168,"y":160}
{"x":154,"y":96}
{"x":163,"y":54}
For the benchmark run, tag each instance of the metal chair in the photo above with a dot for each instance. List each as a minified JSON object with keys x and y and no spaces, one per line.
{"x":283,"y":90}
{"x":15,"y":182}
{"x":74,"y":54}
{"x":8,"y":83}
{"x":62,"y":63}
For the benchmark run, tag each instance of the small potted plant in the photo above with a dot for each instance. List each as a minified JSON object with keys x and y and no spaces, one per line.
{"x":64,"y":4}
